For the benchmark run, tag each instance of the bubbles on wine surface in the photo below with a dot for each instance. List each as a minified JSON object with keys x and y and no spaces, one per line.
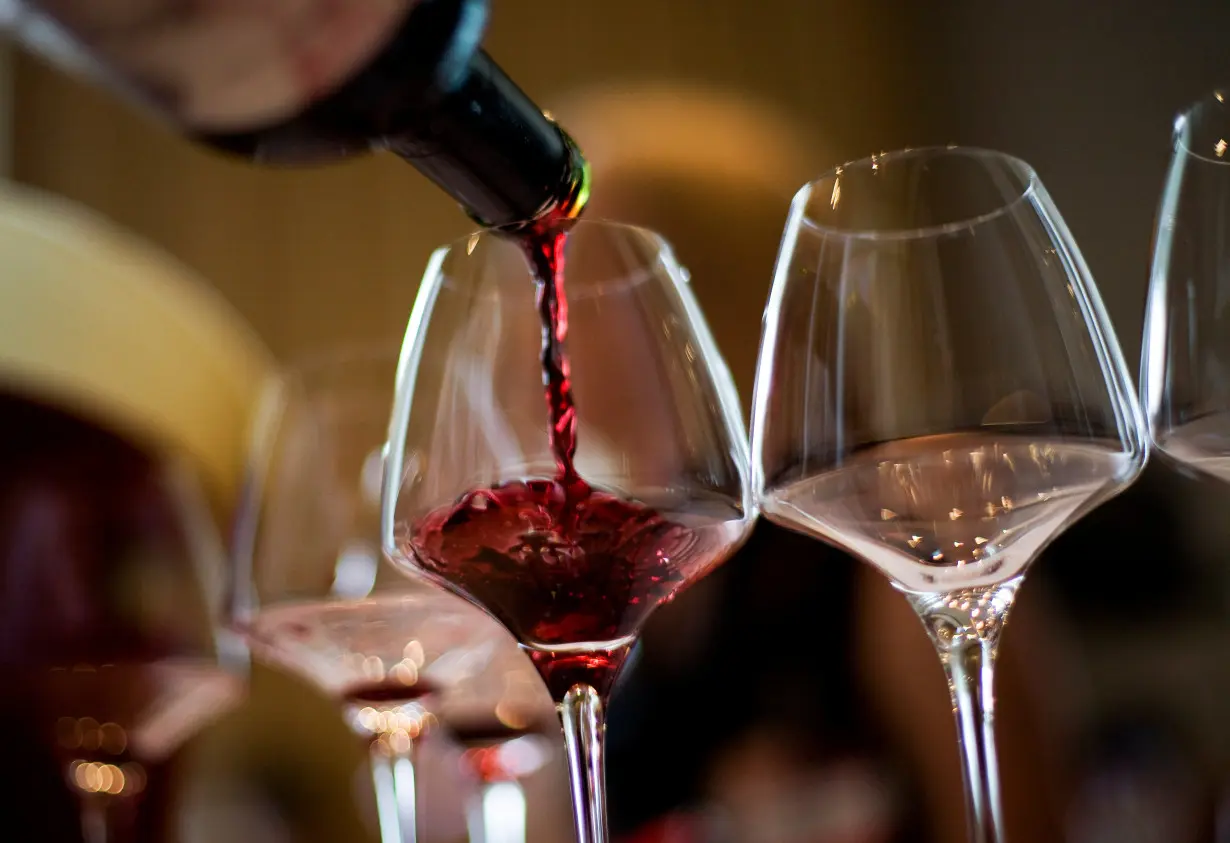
{"x":943,"y":512}
{"x":1203,"y":445}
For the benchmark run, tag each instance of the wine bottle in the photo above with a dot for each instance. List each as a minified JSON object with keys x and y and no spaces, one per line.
{"x":298,"y":82}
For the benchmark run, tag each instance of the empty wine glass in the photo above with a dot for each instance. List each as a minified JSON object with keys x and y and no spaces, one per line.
{"x":570,"y":551}
{"x":940,"y":393}
{"x":1185,"y":370}
{"x":311,"y":594}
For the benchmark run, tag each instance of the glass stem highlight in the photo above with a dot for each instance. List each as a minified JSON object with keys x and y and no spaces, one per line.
{"x":965,"y":627}
{"x":584,"y":719}
{"x":497,"y":813}
{"x":393,"y":777}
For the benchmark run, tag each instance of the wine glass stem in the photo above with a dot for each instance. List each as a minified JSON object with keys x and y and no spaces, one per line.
{"x":393,"y":776}
{"x":584,"y":719}
{"x":497,"y":813}
{"x":965,"y":627}
{"x":970,"y":667}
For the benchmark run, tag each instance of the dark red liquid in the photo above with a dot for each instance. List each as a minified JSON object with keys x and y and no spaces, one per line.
{"x":572,"y":571}
{"x":558,"y":568}
{"x":390,"y":692}
{"x":597,"y":668}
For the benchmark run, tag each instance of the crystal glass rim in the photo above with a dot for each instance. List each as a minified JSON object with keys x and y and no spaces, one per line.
{"x":464,"y":245}
{"x":1196,"y":118}
{"x":1026,"y":173}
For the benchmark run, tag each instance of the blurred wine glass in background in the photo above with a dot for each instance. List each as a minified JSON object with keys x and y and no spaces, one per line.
{"x":312,"y":595}
{"x":111,"y":565}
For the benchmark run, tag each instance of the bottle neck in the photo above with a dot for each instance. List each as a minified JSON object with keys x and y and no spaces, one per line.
{"x":408,"y":76}
{"x":492,"y":149}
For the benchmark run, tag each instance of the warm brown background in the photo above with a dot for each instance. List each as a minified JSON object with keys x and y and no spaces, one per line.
{"x":750,"y":100}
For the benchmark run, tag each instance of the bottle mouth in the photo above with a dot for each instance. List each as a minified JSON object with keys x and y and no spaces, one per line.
{"x":564,"y":206}
{"x":1202,"y":130}
{"x":579,"y":179}
{"x":914,"y":193}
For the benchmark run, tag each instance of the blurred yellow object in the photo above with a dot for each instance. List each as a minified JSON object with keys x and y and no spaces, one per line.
{"x":103,"y":324}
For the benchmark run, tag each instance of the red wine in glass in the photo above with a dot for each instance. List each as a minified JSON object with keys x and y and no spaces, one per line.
{"x":571,"y":570}
{"x":564,"y":566}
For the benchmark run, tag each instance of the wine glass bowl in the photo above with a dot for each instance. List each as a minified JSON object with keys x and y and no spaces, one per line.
{"x":940,"y":393}
{"x":471,"y":464}
{"x":931,"y":391}
{"x":1185,"y":366}
{"x":566,"y":451}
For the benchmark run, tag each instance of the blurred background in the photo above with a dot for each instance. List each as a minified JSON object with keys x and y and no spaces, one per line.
{"x":791,"y":696}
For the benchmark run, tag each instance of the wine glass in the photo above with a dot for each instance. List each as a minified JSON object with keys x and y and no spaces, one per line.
{"x":502,"y":718}
{"x":940,"y":393}
{"x":311,"y":595}
{"x":112,"y":576}
{"x":1185,"y":367}
{"x":571,"y":551}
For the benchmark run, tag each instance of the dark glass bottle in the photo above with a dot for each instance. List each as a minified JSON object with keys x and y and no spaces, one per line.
{"x":424,"y":89}
{"x":436,"y":99}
